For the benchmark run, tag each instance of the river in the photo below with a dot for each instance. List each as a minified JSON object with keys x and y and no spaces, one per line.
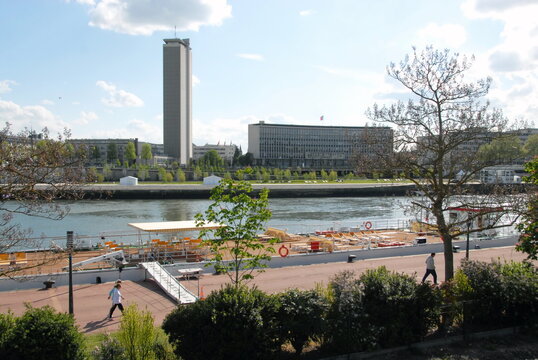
{"x":93,"y":219}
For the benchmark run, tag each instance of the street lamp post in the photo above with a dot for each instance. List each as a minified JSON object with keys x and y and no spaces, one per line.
{"x":468,"y":229}
{"x":69,"y":246}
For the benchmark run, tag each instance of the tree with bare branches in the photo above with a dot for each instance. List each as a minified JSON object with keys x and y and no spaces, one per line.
{"x":437,"y":134}
{"x":35,"y":170}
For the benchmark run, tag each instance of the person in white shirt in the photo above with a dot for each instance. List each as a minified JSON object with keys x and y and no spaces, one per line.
{"x":430,"y":269}
{"x":116,"y":296}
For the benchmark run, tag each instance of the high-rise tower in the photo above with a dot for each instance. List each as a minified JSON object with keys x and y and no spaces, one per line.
{"x":177,"y":99}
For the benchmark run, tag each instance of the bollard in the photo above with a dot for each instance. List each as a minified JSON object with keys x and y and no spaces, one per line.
{"x":98,"y":280}
{"x":350,"y":258}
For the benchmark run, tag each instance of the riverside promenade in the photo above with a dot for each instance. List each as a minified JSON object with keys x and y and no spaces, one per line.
{"x":91,"y":304}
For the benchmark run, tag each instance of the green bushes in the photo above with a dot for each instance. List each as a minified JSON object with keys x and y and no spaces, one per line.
{"x":379,"y":309}
{"x":499,"y":294}
{"x":233,"y":323}
{"x":301,"y":316}
{"x":40,"y":333}
{"x":137,"y":339}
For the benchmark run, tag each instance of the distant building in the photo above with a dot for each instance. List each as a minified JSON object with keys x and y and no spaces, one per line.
{"x":226,"y":152}
{"x":502,"y":174}
{"x":313,"y":147}
{"x":177,"y":100}
{"x":102,"y":146}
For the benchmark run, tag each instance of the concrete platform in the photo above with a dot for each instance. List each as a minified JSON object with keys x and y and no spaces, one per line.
{"x":91,"y":304}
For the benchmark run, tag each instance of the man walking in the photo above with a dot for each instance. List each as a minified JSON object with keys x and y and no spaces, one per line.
{"x":430,"y":269}
{"x":116,"y":296}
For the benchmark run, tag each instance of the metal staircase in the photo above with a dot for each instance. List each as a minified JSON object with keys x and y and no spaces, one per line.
{"x":168,"y":283}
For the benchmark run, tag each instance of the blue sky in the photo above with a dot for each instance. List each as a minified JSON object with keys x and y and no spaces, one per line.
{"x":95,"y":66}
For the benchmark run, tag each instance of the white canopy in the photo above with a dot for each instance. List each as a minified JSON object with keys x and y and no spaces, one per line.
{"x":173,"y":226}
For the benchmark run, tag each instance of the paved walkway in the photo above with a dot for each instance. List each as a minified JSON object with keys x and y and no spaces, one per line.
{"x":91,"y":304}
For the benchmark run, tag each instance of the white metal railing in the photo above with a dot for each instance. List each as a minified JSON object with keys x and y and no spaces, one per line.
{"x":168,"y":283}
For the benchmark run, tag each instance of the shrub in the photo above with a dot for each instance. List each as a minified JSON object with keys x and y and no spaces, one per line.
{"x":380,"y":309}
{"x":519,"y":292}
{"x":344,"y":331}
{"x":399,"y":310}
{"x":232,"y":323}
{"x":7,"y":324}
{"x":501,"y":294}
{"x":484,"y":293}
{"x":41,"y":333}
{"x":140,"y":338}
{"x":301,"y":316}
{"x":109,"y":349}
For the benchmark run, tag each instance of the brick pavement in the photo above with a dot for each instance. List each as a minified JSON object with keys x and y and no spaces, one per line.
{"x":91,"y":304}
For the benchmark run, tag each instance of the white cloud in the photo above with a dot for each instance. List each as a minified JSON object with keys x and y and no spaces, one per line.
{"x":256,"y":57}
{"x":306,"y":12}
{"x":86,"y":117}
{"x":133,"y":129}
{"x":234,"y":129}
{"x":47,"y":102}
{"x":442,"y":35}
{"x":5,"y":86}
{"x":195,"y":80}
{"x":118,"y":98}
{"x":144,"y":17}
{"x":35,"y":117}
{"x":513,"y":62}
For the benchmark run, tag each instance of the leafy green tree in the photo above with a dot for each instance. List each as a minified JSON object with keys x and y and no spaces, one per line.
{"x":227,"y":175}
{"x":130,"y":153}
{"x":42,"y":334}
{"x":502,"y":150}
{"x":95,"y":154}
{"x":107,"y":172}
{"x":142,"y":173}
{"x":266,"y":176}
{"x":531,"y":146}
{"x":180,"y":175}
{"x":212,"y":158}
{"x":237,"y":154}
{"x":140,"y":338}
{"x":287,"y":175}
{"x":323,"y":174}
{"x":146,"y":155}
{"x":240,"y":175}
{"x":528,"y":227}
{"x":246,"y":160}
{"x":333,"y":175}
{"x":432,"y":134}
{"x":277,"y":173}
{"x":197,"y":173}
{"x":233,"y":323}
{"x":243,"y":215}
{"x":162,"y":173}
{"x":112,"y":152}
{"x":301,"y":316}
{"x":296,"y":175}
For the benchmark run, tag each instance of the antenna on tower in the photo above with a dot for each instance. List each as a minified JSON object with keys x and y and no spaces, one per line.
{"x":175,"y":33}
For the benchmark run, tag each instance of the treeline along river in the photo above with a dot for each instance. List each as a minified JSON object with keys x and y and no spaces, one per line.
{"x":93,"y":219}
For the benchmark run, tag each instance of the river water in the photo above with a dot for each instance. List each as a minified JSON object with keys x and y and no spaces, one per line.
{"x":94,"y":219}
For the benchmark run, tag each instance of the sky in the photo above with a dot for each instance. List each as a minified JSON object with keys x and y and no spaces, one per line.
{"x":95,"y":66}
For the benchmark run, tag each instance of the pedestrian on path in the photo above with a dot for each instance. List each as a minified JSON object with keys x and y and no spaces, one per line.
{"x":430,"y":269}
{"x":116,"y":296}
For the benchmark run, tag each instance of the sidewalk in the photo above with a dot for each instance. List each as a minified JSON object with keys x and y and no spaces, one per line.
{"x":91,"y":304}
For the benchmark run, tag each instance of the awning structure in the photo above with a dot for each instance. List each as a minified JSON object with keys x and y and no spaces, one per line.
{"x":173,"y":226}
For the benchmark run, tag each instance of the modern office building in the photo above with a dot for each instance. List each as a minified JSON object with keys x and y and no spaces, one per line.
{"x":314,"y":147}
{"x":226,"y":152}
{"x":177,"y":99}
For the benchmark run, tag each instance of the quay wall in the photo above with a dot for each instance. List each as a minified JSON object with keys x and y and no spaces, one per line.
{"x":197,"y":191}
